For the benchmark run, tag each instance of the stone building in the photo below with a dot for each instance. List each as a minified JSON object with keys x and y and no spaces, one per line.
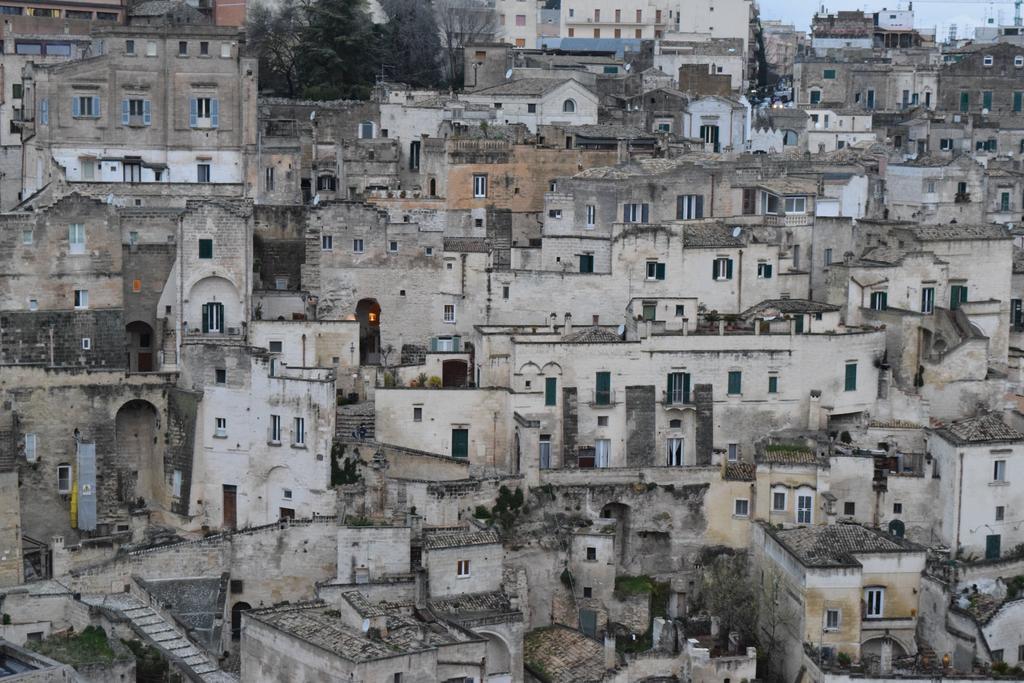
{"x":982,"y":79}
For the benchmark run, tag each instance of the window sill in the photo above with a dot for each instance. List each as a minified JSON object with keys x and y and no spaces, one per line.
{"x":300,"y":446}
{"x":220,"y":436}
{"x":273,"y":443}
{"x":735,"y":516}
{"x":999,"y":483}
{"x":466,"y":576}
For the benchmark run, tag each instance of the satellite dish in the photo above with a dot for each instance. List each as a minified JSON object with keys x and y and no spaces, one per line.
{"x":736,"y":231}
{"x":621,"y":330}
{"x":984,"y":111}
{"x":312,"y":115}
{"x":110,"y":198}
{"x":508,"y":74}
{"x":316,"y":200}
{"x":366,"y":625}
{"x":628,"y":67}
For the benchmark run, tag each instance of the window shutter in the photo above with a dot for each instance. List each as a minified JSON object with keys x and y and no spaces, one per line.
{"x":214,"y":112}
{"x":456,"y":343}
{"x":728,"y":269}
{"x":625,"y":213}
{"x":670,"y":385}
{"x":433,"y":344}
{"x":44,"y":111}
{"x":660,"y":271}
{"x":147,"y":116}
{"x":193,"y":112}
{"x":768,"y":270}
{"x":220,"y":317}
{"x":76,"y":107}
{"x":96,"y":106}
{"x":698,"y":211}
{"x":714,"y":269}
{"x":644,"y":213}
{"x":686,"y":387}
{"x":679,"y":206}
{"x":124,"y":112}
{"x":206,"y":317}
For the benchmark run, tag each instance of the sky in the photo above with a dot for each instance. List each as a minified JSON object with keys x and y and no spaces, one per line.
{"x":926,"y":14}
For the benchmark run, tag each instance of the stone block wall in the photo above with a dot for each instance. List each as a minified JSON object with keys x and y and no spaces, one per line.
{"x":54,"y":338}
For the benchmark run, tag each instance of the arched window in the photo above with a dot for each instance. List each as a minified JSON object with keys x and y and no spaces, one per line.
{"x":327,"y":182}
{"x":569,"y":106}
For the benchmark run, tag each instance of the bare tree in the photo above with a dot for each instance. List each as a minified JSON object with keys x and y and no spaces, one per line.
{"x":413,"y":42}
{"x":461,"y":23}
{"x":778,"y":619}
{"x":729,"y":595}
{"x":275,"y":33}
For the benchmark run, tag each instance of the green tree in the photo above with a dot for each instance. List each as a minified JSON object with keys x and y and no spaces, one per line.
{"x":340,"y":54}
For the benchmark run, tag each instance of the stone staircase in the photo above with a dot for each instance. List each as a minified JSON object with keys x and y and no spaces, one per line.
{"x":152,"y":628}
{"x":349,"y":417}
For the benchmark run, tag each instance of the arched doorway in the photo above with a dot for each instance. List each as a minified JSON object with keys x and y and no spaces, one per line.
{"x":620,"y":513}
{"x":236,"y":618}
{"x":453,"y":373}
{"x":433,"y":187}
{"x":499,"y":657}
{"x":517,"y":455}
{"x":136,"y":426}
{"x":139,"y":341}
{"x":368,"y":315}
{"x":897,"y":528}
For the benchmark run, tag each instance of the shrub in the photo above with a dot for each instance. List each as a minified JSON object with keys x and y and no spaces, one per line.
{"x":434,"y":382}
{"x":843,"y":660}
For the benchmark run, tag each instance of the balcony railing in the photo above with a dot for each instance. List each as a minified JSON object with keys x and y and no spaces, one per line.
{"x":788,"y":220}
{"x":676,"y":399}
{"x":600,"y":398}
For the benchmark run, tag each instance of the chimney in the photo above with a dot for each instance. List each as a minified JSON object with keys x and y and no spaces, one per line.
{"x":611,"y":659}
{"x":597,"y":320}
{"x":553,"y":321}
{"x":567,"y":328}
{"x":705,"y":428}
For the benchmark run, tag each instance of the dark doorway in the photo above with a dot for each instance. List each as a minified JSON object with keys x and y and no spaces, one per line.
{"x":992,"y":547}
{"x":230,"y":509}
{"x":368,"y":315}
{"x":286,"y":513}
{"x":897,"y":528}
{"x":139,"y":338}
{"x":236,"y":618}
{"x":453,"y":373}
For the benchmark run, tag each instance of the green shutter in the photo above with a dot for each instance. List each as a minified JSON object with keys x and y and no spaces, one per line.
{"x":460,"y":443}
{"x":773,"y":385}
{"x":205,"y":248}
{"x":851,"y":377}
{"x":1018,"y":100}
{"x":670,"y":382}
{"x":603,"y":393}
{"x":206,"y":317}
{"x":965,"y":101}
{"x":659,"y":271}
{"x":957,"y":295}
{"x":686,"y":387}
{"x":550,"y":389}
{"x":728,"y":269}
{"x":735,"y":382}
{"x":799,"y":324}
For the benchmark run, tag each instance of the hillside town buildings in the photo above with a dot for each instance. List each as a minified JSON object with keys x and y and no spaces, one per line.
{"x":669,"y":344}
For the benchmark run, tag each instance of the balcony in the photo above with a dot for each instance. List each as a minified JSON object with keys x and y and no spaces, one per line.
{"x":676,"y":399}
{"x":962,"y":198}
{"x":602,"y":398}
{"x":789,"y":220}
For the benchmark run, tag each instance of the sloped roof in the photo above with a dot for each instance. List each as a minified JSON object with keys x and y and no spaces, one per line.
{"x":791,"y":306}
{"x":834,"y":545}
{"x":740,"y":471}
{"x":472,"y":603}
{"x":592,"y":335}
{"x":714,"y":235}
{"x":564,"y":655}
{"x":524,"y":87}
{"x":438,"y":540}
{"x":466,"y":244}
{"x":787,"y":455}
{"x":961,"y":231}
{"x":987,"y":428}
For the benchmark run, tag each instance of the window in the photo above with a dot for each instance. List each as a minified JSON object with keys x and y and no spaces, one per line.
{"x":689,"y":207}
{"x":136,"y":111}
{"x":33,"y":304}
{"x":1000,"y":513}
{"x":182,"y":48}
{"x":448,"y":313}
{"x":16,"y":91}
{"x":591,"y":215}
{"x":429,"y":251}
{"x":764,"y":271}
{"x":129,"y":47}
{"x":721,"y":268}
{"x":897,"y":508}
{"x":63,"y":479}
{"x":735,"y":382}
{"x":828,"y":257}
{"x":957,"y":296}
{"x":649,"y":311}
{"x":204,"y":112}
{"x":675,"y":452}
{"x":299,"y":431}
{"x":76,"y":238}
{"x":462,"y":569}
{"x":554,"y":213}
{"x":202,"y":173}
{"x":965,"y":100}
{"x":733,"y":452}
{"x":987,"y":60}
{"x":550,"y":391}
{"x":520,"y":20}
{"x":327,"y":242}
{"x":204,"y":48}
{"x":414,"y":155}
{"x":946,"y":144}
{"x":678,"y":388}
{"x":30,"y":446}
{"x":1018,"y":62}
{"x":545,"y":451}
{"x":796,"y":204}
{"x":326,"y":183}
{"x":655,"y":270}
{"x":176,"y":483}
{"x":531,"y":108}
{"x":741,"y":507}
{"x":460,"y":442}
{"x":591,"y":554}
{"x":220,"y":376}
{"x":879,"y":301}
{"x":569,"y":107}
{"x":927,"y":299}
{"x":1018,"y":100}
{"x":778,"y":501}
{"x":479,"y":186}
{"x":804,"y":507}
{"x":366,"y":130}
{"x":773,"y":384}
{"x":85,"y":106}
{"x":205,"y":248}
{"x":588,"y":591}
{"x":81,"y":298}
{"x":850,"y":381}
{"x":357,"y":246}
{"x":635,"y":213}
{"x":815,"y":96}
{"x":268,"y":178}
{"x":849,"y":507}
{"x":829,"y":74}
{"x":999,"y":470}
{"x":680,"y":310}
{"x":281,"y":282}
{"x":220,"y":428}
{"x":393,"y":246}
{"x":504,"y":291}
{"x":603,"y":388}
{"x":986,"y":99}
{"x":276,"y":346}
{"x":875,"y":599}
{"x":831,"y":620}
{"x":602,"y":421}
{"x":586,"y":263}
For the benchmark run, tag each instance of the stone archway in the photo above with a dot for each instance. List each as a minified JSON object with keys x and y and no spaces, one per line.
{"x":499,"y":654}
{"x":139,"y":340}
{"x":236,"y":619}
{"x":139,"y":468}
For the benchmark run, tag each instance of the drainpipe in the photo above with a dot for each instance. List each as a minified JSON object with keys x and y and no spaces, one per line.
{"x":303,"y":350}
{"x":959,"y":505}
{"x":739,"y":285}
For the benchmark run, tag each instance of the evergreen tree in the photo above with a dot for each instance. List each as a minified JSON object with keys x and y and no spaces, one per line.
{"x":340,"y":51}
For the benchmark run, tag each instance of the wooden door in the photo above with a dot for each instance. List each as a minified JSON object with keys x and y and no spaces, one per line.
{"x":145,"y":363}
{"x":230,"y":509}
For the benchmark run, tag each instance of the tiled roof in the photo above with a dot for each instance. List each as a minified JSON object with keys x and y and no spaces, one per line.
{"x":457,"y":539}
{"x":362,"y":605}
{"x":710,"y":236}
{"x":472,"y":603}
{"x":833,"y":545}
{"x":959,"y":231}
{"x":604,"y":130}
{"x":523,"y":86}
{"x":563,"y":655}
{"x":592,"y":335}
{"x":982,"y":606}
{"x":893,"y":424}
{"x":740,"y":471}
{"x":981,"y":429}
{"x":466,"y":244}
{"x":791,"y":306}
{"x":776,"y":455}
